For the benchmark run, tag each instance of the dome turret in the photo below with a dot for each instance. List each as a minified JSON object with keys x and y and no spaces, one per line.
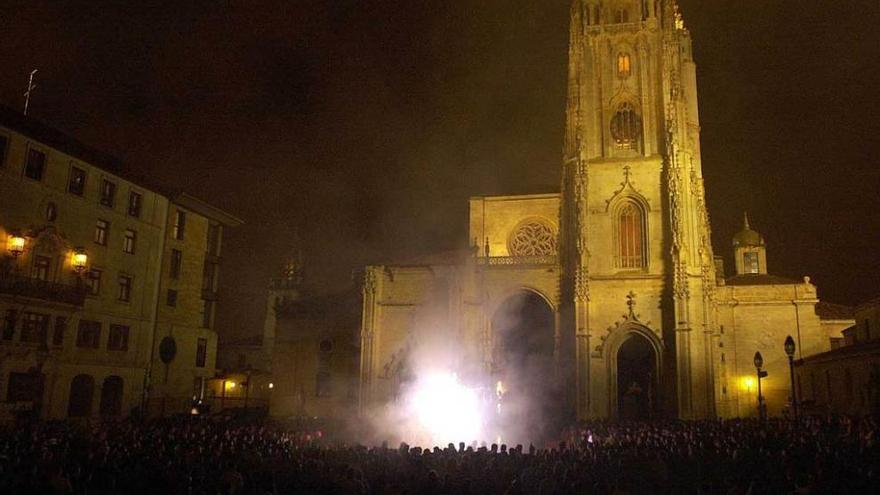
{"x":747,"y":236}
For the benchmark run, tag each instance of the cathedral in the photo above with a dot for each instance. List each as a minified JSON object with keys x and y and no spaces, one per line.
{"x":613,"y":279}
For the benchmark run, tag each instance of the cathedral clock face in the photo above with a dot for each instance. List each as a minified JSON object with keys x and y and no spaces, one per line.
{"x":533,"y":238}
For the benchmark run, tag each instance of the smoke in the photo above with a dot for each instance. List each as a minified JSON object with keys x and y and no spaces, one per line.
{"x":446,"y":393}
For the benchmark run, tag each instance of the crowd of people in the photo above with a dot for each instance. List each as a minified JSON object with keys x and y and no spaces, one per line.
{"x":204,"y":456}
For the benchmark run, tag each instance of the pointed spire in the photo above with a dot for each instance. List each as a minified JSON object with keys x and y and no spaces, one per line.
{"x":746,"y":221}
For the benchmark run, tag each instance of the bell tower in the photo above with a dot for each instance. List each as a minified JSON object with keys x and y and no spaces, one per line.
{"x":634,"y":228}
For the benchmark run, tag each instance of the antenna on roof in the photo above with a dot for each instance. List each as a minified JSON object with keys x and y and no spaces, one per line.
{"x":27,"y":94}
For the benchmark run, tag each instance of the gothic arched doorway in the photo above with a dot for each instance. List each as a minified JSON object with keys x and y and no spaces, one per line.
{"x":531,"y":403}
{"x":111,"y":396}
{"x":636,"y":378}
{"x":82,"y":388}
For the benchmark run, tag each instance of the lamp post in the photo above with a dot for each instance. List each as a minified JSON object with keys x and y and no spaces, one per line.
{"x":16,"y":245}
{"x":789,"y":351}
{"x":759,"y":363}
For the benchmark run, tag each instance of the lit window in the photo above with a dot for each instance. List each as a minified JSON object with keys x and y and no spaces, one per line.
{"x":626,"y":127}
{"x":76,"y":184}
{"x":630,"y":236}
{"x":102,"y":230}
{"x":129,"y":241}
{"x":35,"y":164}
{"x":624,"y":66}
{"x":750,"y":262}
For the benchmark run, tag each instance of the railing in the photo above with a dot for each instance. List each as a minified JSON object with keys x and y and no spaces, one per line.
{"x":519,"y":260}
{"x":17,"y":285}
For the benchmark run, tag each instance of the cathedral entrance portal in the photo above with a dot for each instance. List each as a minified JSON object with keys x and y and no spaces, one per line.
{"x":636,"y":379}
{"x":530,"y":403}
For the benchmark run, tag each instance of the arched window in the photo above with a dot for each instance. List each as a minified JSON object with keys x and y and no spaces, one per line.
{"x":626,"y":127}
{"x":624,"y":65}
{"x":630,"y":240}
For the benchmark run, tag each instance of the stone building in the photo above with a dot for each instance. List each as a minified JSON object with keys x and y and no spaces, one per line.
{"x":610,"y":285}
{"x":845,"y":380}
{"x":82,"y":285}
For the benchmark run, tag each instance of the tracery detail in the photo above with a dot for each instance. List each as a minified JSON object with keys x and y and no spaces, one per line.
{"x":533,"y":238}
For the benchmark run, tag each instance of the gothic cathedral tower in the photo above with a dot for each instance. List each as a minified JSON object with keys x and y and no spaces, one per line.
{"x":638,"y":284}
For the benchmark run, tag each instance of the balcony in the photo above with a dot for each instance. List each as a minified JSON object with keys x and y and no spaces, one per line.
{"x":16,"y":285}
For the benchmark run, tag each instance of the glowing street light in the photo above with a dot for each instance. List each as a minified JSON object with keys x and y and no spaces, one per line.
{"x":16,"y":245}
{"x":79,"y":260}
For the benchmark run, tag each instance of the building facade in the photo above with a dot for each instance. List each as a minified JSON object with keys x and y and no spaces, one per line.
{"x":81,"y":276}
{"x":626,"y":310}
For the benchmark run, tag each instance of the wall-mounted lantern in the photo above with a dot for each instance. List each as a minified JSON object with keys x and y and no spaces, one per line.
{"x":16,"y":245}
{"x":79,"y":260}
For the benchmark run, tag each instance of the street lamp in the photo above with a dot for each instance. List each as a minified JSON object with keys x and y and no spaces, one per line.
{"x":15,"y":245}
{"x":79,"y":260}
{"x":789,"y":351}
{"x":759,"y":363}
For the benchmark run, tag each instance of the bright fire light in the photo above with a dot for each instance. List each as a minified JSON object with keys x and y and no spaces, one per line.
{"x":446,"y":410}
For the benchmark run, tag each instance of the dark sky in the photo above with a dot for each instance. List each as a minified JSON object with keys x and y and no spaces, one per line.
{"x":362,"y":127}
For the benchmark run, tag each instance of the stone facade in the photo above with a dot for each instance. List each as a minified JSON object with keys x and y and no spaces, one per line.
{"x":621,"y":255}
{"x":82,"y":344}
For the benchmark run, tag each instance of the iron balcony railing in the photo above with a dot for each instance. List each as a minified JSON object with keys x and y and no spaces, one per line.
{"x":17,"y":285}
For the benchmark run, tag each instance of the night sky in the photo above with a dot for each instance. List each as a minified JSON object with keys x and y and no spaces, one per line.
{"x":362,"y":127}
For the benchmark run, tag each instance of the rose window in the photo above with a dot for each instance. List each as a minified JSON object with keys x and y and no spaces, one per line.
{"x":533,"y":239}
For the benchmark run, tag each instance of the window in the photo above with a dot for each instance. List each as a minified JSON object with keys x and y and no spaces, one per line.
{"x":750,"y":263}
{"x":4,"y":145}
{"x":621,"y":16}
{"x":88,"y":334}
{"x":93,"y":281}
{"x":214,"y":240}
{"x":9,"y":324}
{"x":76,"y":184}
{"x":134,"y":204}
{"x":117,"y":340}
{"x":35,"y":164}
{"x":176,"y":261}
{"x":60,"y":330}
{"x":630,"y":236}
{"x":171,"y":298}
{"x":40,"y":270}
{"x":624,"y":66}
{"x":102,"y":230}
{"x":207,"y":313}
{"x":108,"y":193}
{"x":51,"y":212}
{"x":179,"y":224}
{"x":323,"y":376}
{"x":124,"y":288}
{"x":129,"y":241}
{"x":202,"y":353}
{"x":209,"y":277}
{"x":34,"y":327}
{"x":626,"y":127}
